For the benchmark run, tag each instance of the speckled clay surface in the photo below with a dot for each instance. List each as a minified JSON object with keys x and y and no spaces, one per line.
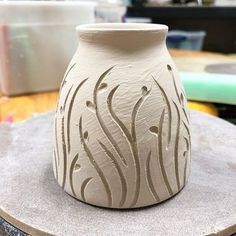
{"x":31,"y":199}
{"x":122,"y":136}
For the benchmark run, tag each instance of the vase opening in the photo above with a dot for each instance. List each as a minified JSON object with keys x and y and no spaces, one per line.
{"x":123,"y":36}
{"x":121,"y":27}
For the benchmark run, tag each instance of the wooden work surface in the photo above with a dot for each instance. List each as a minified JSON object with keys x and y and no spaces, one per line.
{"x":21,"y":107}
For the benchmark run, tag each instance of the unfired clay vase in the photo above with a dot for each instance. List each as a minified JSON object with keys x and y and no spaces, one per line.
{"x":122,"y":136}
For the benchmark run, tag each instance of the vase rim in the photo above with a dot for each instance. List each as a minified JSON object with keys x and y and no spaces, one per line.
{"x":121,"y":27}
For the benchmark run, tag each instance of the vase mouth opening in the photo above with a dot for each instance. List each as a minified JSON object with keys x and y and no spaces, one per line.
{"x":121,"y":27}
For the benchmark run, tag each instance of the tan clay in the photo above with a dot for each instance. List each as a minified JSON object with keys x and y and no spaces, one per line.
{"x":122,"y":136}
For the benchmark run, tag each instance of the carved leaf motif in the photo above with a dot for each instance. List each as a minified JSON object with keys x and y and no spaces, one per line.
{"x":102,"y":87}
{"x":144,"y":90}
{"x":182,"y":99}
{"x":90,"y":105}
{"x":86,"y":135}
{"x":154,"y":130}
{"x":77,"y":167}
{"x":169,"y":67}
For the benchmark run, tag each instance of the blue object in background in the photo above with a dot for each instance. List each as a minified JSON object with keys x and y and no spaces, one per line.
{"x":188,"y":40}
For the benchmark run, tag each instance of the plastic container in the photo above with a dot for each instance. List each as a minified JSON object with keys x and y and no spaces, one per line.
{"x":186,"y":40}
{"x":37,"y":40}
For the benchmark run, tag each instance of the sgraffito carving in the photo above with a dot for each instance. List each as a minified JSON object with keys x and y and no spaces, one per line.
{"x":77,"y":160}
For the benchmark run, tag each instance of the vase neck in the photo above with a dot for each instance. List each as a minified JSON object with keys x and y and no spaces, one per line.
{"x":123,"y":36}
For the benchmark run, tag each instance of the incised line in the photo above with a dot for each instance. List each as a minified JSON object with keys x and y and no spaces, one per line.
{"x":175,"y":85}
{"x":187,"y":129}
{"x":177,"y":93}
{"x":72,"y":167}
{"x":131,"y":138}
{"x":160,"y":149}
{"x":176,"y":152}
{"x":57,"y":146}
{"x":70,"y":111}
{"x":135,"y":146}
{"x":66,"y":74}
{"x":67,"y":95}
{"x":100,"y":120}
{"x":120,"y":173}
{"x":95,"y":165}
{"x":83,"y":186}
{"x":185,"y":114}
{"x":186,"y":159}
{"x":115,"y":117}
{"x":64,"y":81}
{"x":149,"y":179}
{"x":64,"y":153}
{"x":168,"y":109}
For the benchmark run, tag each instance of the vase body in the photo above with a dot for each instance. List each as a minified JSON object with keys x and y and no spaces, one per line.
{"x":121,"y":135}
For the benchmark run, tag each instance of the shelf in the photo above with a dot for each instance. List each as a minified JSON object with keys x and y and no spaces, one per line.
{"x":183,"y":11}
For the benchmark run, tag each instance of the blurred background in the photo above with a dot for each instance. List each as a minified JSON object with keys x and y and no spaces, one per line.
{"x":38,"y":39}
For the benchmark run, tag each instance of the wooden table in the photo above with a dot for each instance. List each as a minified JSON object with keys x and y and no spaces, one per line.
{"x":21,"y":107}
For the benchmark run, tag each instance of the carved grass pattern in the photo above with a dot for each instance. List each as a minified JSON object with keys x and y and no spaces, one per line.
{"x":57,"y":145}
{"x":188,"y":151}
{"x":131,"y":137}
{"x":120,"y":172}
{"x":63,"y":130}
{"x":100,"y":120}
{"x":188,"y":132}
{"x":135,"y":147}
{"x":64,"y":153}
{"x":149,"y":178}
{"x":166,"y":145}
{"x":70,"y":110}
{"x":83,"y":187}
{"x":67,"y":96}
{"x":161,"y":157}
{"x":179,"y":95}
{"x":64,"y":80}
{"x":95,"y":164}
{"x":72,"y":169}
{"x":186,"y":156}
{"x":168,"y":109}
{"x":177,"y":147}
{"x":185,"y":114}
{"x":116,"y":118}
{"x":67,"y":73}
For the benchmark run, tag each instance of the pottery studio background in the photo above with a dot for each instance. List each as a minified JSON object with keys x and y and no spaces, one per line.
{"x":38,"y":39}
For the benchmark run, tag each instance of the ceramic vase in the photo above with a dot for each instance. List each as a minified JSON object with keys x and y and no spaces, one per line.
{"x":121,"y":136}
